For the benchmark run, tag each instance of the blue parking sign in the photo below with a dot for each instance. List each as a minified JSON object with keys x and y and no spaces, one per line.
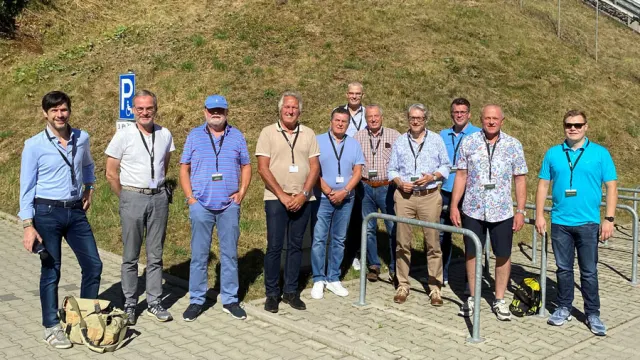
{"x":127,"y":89}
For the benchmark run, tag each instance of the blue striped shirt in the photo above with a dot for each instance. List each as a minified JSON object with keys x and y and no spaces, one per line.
{"x":44,"y":174}
{"x":214,"y":195}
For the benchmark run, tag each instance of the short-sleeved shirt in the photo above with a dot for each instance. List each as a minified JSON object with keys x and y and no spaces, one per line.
{"x":357,"y":122}
{"x":232,"y":155}
{"x":452,"y":141}
{"x":272,"y":144}
{"x":496,"y":204}
{"x":406,"y":164}
{"x":381,"y":145}
{"x":135,"y":162}
{"x":594,"y":168}
{"x":351,"y":156}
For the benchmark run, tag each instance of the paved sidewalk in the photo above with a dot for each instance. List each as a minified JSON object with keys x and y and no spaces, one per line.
{"x":332,"y":327}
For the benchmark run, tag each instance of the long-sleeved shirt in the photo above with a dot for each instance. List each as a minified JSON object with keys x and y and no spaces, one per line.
{"x":44,"y":173}
{"x":428,"y":160}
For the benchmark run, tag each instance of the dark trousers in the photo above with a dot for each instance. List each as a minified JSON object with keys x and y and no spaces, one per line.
{"x":284,"y":225}
{"x":445,"y":237}
{"x":54,"y":223}
{"x":584,"y":239}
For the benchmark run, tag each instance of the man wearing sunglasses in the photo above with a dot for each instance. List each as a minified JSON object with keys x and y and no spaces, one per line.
{"x":576,"y":169}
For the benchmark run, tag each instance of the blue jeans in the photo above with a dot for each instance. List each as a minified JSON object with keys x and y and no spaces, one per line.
{"x":445,"y":237}
{"x":374,"y":199}
{"x":335,"y":219}
{"x":54,"y":223}
{"x":202,"y":222}
{"x":283,"y":225}
{"x":584,"y":239}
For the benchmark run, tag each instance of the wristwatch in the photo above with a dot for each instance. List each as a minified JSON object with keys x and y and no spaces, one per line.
{"x":305,"y":193}
{"x":523,"y":212}
{"x":609,"y":218}
{"x":186,"y":200}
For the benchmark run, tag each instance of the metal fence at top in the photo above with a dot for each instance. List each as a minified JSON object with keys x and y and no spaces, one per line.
{"x":475,"y":335}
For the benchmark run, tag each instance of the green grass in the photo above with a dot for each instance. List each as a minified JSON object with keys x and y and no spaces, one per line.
{"x":428,"y":51}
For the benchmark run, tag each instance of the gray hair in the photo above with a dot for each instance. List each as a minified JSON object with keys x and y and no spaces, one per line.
{"x":373,"y":106}
{"x":287,"y":93}
{"x":492,"y":105}
{"x":420,"y":107}
{"x":355,"y":83}
{"x":141,"y":93}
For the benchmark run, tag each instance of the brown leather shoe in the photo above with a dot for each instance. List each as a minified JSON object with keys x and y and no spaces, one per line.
{"x":401,"y":295}
{"x":436,"y":297}
{"x":373,"y":273}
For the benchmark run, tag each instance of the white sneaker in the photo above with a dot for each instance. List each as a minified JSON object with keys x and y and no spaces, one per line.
{"x":317,"y":292}
{"x":466,"y":310}
{"x":356,"y":264}
{"x":337,"y":288}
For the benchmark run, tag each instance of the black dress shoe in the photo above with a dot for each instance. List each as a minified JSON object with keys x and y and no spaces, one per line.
{"x":293,"y":299}
{"x":271,"y":305}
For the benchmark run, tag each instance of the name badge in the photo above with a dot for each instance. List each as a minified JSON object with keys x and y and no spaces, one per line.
{"x":489,"y":186}
{"x":339,"y":179}
{"x":415,"y":178}
{"x":570,"y":193}
{"x":153,"y":184}
{"x":373,"y":173}
{"x":293,"y":168}
{"x":74,"y":192}
{"x":453,"y":169}
{"x":216,"y":177}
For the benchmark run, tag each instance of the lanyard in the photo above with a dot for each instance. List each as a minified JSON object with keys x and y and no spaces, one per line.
{"x":292,"y":146}
{"x":152,"y":153}
{"x":213,"y":145}
{"x":354,"y":120}
{"x":490,"y":152}
{"x":73,"y":156}
{"x":415,"y":156}
{"x":374,"y":151}
{"x":456,"y":147}
{"x":573,"y":165}
{"x":338,"y":157}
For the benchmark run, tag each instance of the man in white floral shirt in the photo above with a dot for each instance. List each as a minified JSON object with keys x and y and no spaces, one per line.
{"x":487,"y":163}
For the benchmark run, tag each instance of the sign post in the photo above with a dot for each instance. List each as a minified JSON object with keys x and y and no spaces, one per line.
{"x":126,"y":91}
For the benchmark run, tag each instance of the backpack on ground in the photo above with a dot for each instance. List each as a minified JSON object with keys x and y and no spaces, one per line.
{"x":527,"y":298}
{"x":93,"y":323}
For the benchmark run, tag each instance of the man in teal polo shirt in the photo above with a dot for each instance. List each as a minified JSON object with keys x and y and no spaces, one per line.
{"x":577,"y":168}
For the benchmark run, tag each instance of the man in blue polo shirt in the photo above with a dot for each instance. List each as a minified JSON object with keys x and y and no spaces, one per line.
{"x":215,"y":173}
{"x":577,"y":169}
{"x":460,"y":116}
{"x":341,"y":163}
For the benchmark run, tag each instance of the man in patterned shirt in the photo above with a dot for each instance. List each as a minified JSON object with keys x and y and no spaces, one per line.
{"x":376,"y":142}
{"x":418,"y":161}
{"x":487,"y":162}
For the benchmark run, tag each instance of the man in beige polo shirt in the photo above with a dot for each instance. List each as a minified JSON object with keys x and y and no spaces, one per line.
{"x":288,"y":163}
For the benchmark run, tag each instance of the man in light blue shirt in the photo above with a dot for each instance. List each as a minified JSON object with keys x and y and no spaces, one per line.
{"x":341,"y":162}
{"x":418,"y":162}
{"x":460,"y":116}
{"x":577,"y":168}
{"x":55,"y":164}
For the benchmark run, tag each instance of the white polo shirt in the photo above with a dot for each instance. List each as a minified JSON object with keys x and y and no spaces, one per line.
{"x":135,"y":161}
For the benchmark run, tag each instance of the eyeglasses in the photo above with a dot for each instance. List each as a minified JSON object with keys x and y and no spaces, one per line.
{"x":354,"y":94}
{"x":416,"y":118}
{"x":140,"y":109}
{"x":459,"y":112}
{"x":578,"y":126}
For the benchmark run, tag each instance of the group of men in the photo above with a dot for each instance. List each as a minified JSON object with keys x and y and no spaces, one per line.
{"x":312,"y":178}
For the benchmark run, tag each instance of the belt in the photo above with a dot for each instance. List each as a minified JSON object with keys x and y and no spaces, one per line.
{"x":424,"y":192}
{"x":72,"y":204}
{"x":144,"y":191}
{"x":376,"y":183}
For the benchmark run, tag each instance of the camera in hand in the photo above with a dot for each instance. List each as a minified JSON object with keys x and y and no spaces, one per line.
{"x":38,"y":248}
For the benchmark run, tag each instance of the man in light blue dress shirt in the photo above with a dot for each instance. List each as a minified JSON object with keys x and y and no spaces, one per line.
{"x":460,"y":116}
{"x":56,"y":163}
{"x":418,"y":162}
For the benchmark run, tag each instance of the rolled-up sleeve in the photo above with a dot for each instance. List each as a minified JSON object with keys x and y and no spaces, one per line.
{"x":28,"y":177}
{"x":445,"y":163}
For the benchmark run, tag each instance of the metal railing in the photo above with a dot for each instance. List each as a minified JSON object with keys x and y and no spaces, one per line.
{"x":475,"y":335}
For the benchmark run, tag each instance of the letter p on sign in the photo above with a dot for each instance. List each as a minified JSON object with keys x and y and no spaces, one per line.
{"x":127,"y":89}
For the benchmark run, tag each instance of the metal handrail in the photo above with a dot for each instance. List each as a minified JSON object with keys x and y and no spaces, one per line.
{"x":475,"y":335}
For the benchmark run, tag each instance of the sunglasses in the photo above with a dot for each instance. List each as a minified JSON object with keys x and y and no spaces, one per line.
{"x":575,"y":125}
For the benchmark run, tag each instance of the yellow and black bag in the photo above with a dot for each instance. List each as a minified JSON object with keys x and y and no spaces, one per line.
{"x":93,"y":323}
{"x":527,"y":298}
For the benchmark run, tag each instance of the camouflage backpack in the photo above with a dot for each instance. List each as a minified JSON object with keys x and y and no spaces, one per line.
{"x":527,"y":298}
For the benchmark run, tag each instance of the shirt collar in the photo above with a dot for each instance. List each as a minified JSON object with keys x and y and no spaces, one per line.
{"x":566,"y":147}
{"x":464,"y":130}
{"x":361,"y":108}
{"x":72,"y":133}
{"x":280,"y":129}
{"x":380,"y":132}
{"x":227,"y":128}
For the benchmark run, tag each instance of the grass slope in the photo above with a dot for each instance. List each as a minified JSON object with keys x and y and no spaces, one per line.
{"x":430,"y":51}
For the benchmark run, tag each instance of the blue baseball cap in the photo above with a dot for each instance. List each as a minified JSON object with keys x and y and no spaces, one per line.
{"x":216,"y":101}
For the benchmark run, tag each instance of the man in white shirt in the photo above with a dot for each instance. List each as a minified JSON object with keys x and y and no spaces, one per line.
{"x":141,"y":153}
